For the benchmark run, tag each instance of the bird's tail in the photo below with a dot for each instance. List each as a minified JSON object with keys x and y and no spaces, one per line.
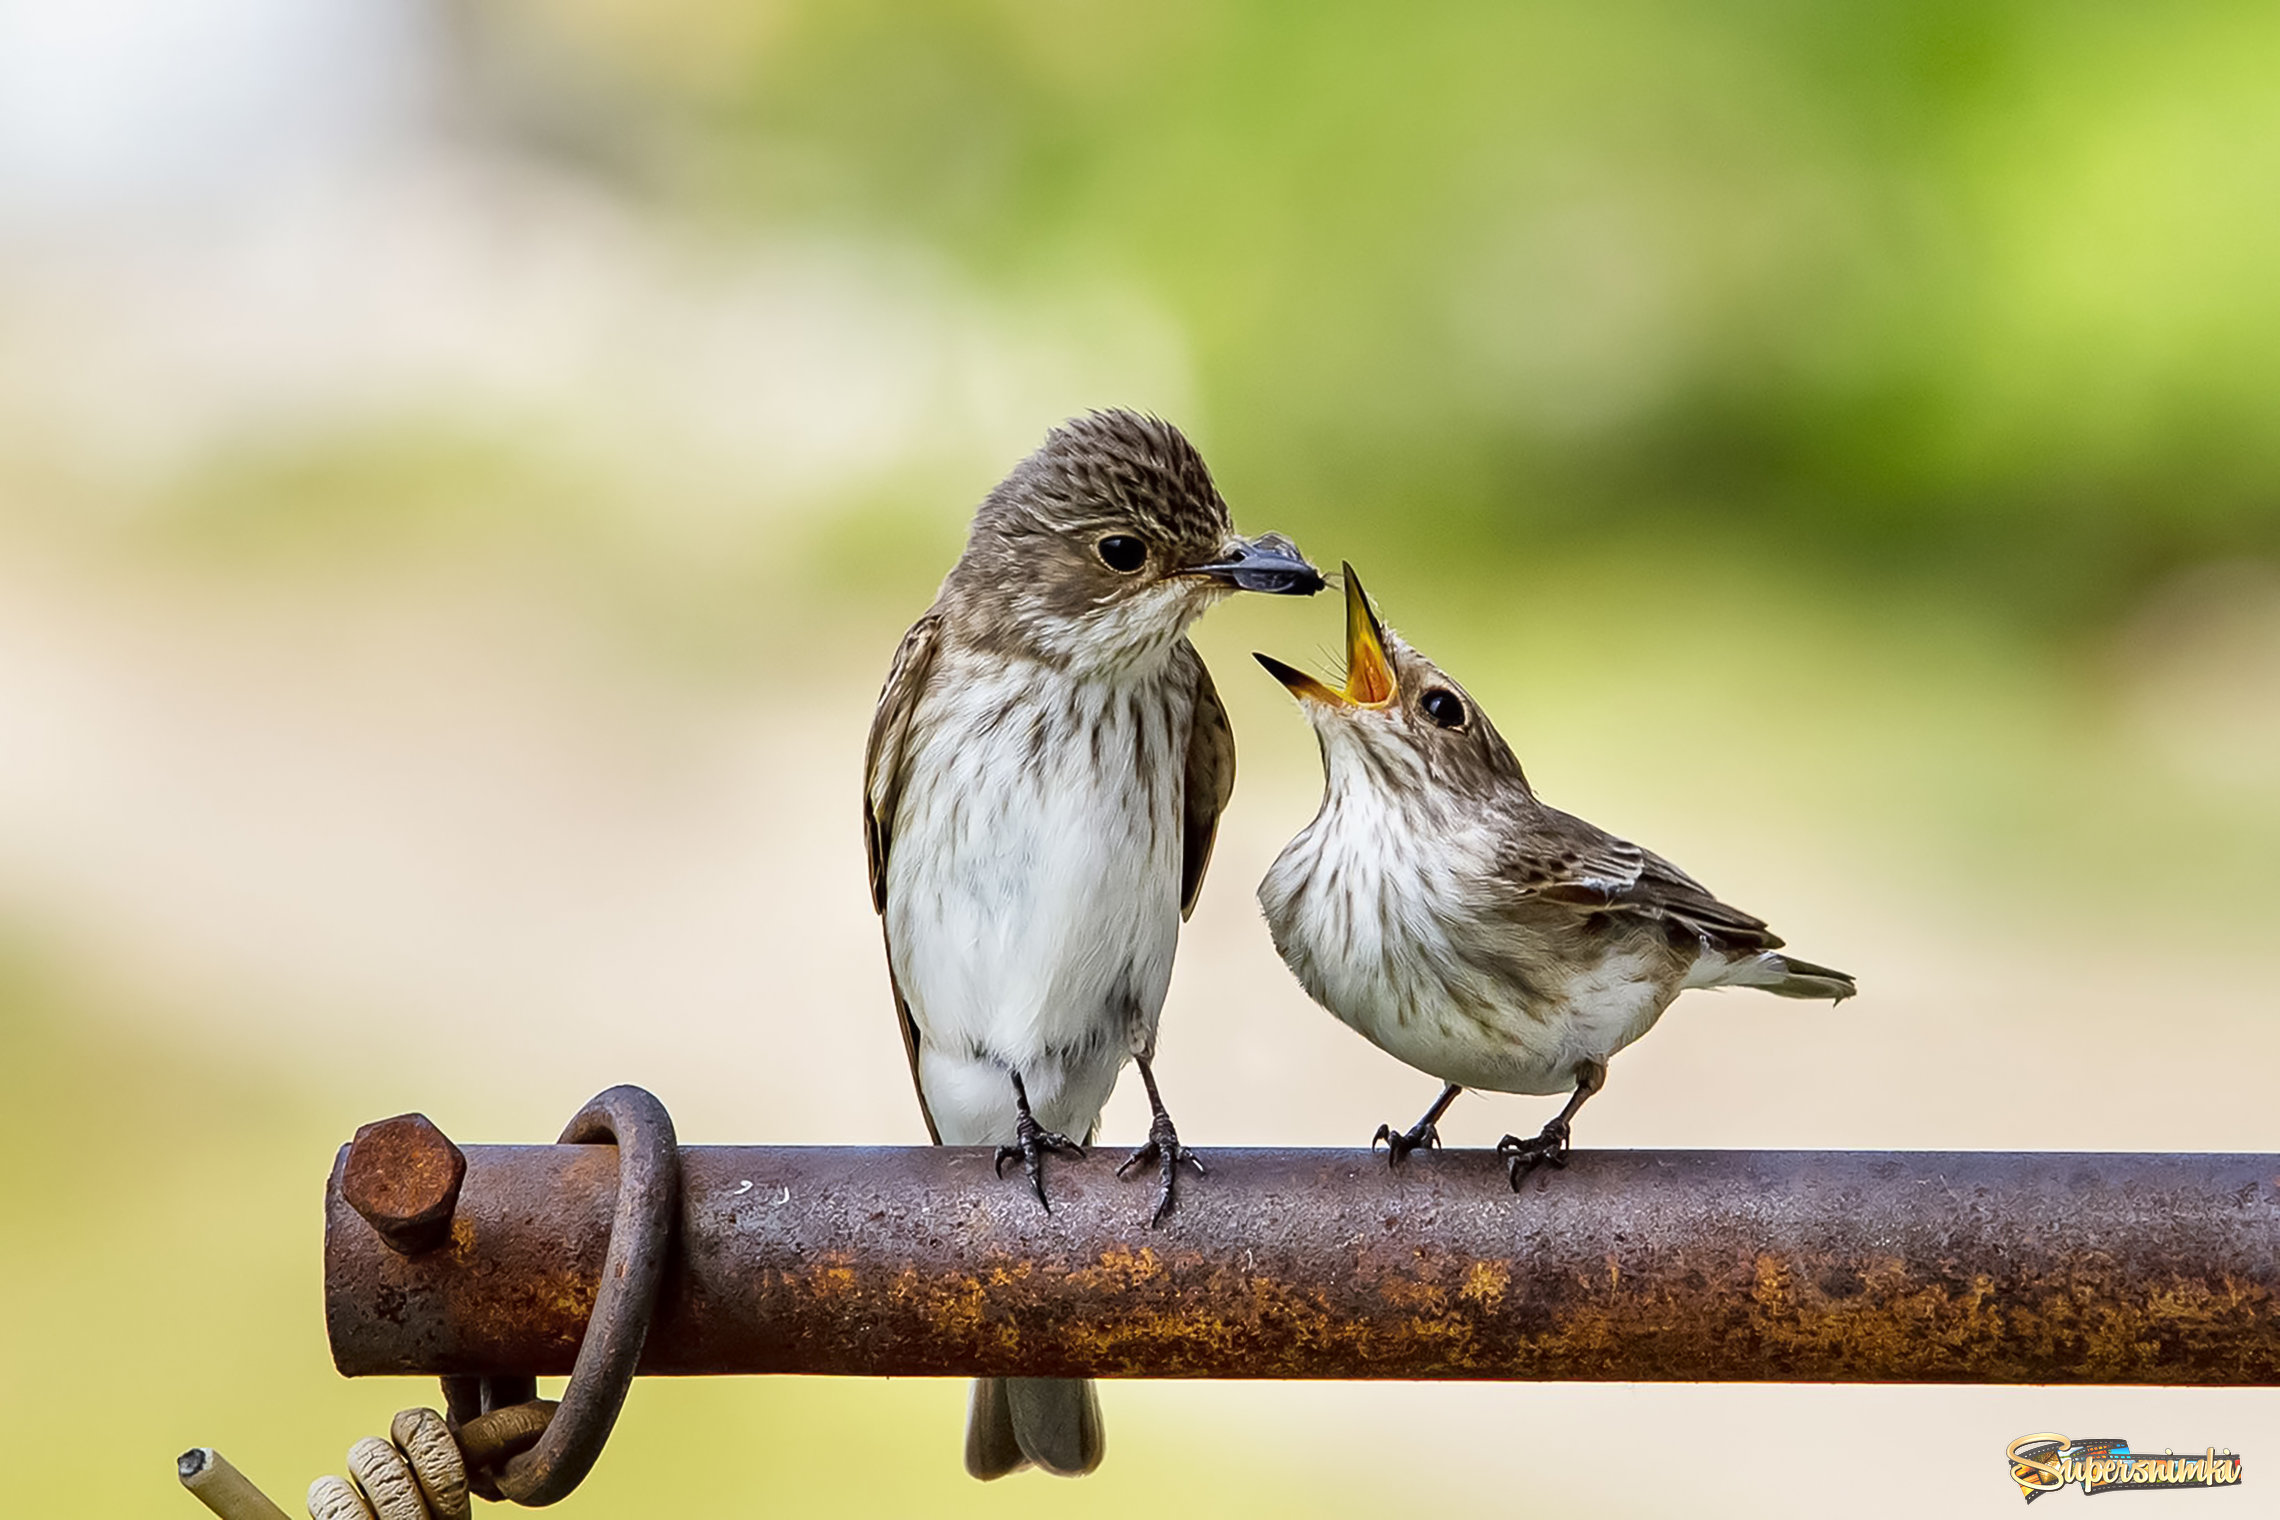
{"x":1786,"y":976}
{"x":1053,"y":1422}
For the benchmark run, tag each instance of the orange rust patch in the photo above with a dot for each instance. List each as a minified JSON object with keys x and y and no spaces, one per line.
{"x":1121,"y":1269}
{"x":1409,"y":1293}
{"x":1485,"y":1283}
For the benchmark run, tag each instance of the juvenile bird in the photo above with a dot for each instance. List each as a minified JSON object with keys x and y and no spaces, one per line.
{"x":1438,"y":908}
{"x":1045,"y":775}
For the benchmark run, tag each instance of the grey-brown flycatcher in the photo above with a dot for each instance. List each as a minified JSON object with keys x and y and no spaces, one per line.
{"x":1045,"y":776}
{"x":1461,"y":925}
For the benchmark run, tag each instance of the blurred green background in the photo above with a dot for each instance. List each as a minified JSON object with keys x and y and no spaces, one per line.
{"x":464,"y":467}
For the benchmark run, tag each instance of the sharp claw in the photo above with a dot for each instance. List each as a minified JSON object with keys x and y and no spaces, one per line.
{"x":1522,"y":1157}
{"x":1031,"y":1144}
{"x":1399,"y":1143}
{"x":1163,"y":1149}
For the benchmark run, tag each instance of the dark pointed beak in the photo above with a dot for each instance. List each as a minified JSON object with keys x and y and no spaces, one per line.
{"x":1300,"y":683}
{"x":1269,"y":563}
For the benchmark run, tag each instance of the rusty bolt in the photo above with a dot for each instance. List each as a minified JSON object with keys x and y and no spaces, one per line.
{"x":403,"y":1175}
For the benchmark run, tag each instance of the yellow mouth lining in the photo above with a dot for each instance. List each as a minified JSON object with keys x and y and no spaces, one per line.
{"x":1369,"y":676}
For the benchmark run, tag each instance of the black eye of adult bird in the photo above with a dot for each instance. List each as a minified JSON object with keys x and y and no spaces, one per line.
{"x":1122,"y":553}
{"x":1444,"y":707}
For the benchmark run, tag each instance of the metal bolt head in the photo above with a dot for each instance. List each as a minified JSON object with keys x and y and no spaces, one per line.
{"x":403,"y":1175}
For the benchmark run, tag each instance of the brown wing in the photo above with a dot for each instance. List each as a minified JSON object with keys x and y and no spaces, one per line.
{"x":1210,"y":781}
{"x":884,"y":759}
{"x":885,"y":755}
{"x":1560,"y":858}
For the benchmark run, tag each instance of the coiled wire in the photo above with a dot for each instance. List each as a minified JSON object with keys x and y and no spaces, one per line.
{"x":422,"y":1471}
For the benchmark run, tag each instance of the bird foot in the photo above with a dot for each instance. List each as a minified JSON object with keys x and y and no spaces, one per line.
{"x":1163,"y":1149}
{"x":1524,"y":1156}
{"x":1031,"y":1141}
{"x":1421,"y":1136}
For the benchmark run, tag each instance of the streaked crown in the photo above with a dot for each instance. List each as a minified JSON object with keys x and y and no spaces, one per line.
{"x":1091,"y":548}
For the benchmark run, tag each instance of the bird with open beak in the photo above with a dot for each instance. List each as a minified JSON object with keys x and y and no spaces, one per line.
{"x":1045,"y":776}
{"x":1438,"y":908}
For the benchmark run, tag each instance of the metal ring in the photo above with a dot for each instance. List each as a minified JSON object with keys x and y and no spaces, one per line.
{"x":649,"y":1186}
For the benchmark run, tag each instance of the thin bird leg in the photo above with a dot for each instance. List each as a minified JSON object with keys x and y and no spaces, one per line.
{"x":1424,"y":1134}
{"x":1031,"y":1142}
{"x":1163,"y":1146}
{"x":1524,"y":1156}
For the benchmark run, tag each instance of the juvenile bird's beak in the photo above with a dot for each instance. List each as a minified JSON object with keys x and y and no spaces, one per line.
{"x":1369,"y":676}
{"x":1269,"y":563}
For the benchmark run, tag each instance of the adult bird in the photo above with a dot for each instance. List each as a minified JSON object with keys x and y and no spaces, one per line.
{"x":1467,"y":928}
{"x":1045,"y":775}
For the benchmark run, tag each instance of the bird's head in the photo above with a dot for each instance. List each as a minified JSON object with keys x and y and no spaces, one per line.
{"x":1397,"y":719}
{"x":1107,"y":543}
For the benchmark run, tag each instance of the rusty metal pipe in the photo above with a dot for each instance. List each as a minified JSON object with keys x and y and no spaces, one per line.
{"x":1909,"y":1267}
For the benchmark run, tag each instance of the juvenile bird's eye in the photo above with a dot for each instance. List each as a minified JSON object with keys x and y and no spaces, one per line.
{"x":1122,"y":553}
{"x":1444,"y":707}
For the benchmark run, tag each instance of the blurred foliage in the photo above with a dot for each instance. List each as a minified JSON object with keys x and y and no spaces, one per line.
{"x":300,"y":500}
{"x":1979,"y":293}
{"x":1770,"y":375}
